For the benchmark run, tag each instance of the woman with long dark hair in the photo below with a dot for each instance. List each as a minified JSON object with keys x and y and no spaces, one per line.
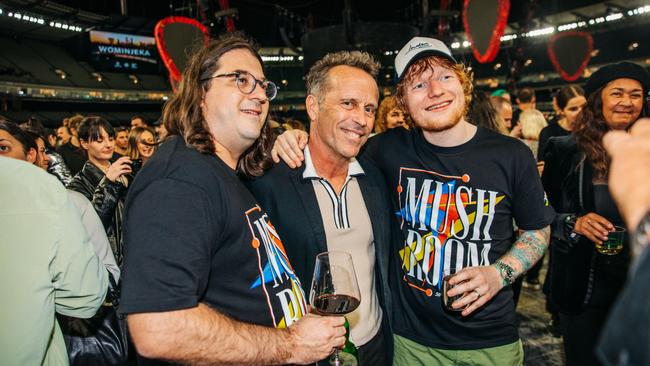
{"x":584,"y":281}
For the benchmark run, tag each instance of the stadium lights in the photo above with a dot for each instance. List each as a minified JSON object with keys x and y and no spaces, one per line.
{"x":638,"y":11}
{"x":40,"y":20}
{"x":539,"y":32}
{"x":61,"y":73}
{"x":574,"y":25}
{"x":508,"y":37}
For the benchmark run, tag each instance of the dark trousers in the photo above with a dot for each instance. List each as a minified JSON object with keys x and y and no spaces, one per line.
{"x":580,"y":334}
{"x":375,"y":352}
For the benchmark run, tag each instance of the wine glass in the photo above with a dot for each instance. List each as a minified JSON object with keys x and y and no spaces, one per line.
{"x":334,"y":288}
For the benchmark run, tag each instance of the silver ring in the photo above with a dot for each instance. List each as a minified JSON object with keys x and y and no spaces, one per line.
{"x":478,"y":294}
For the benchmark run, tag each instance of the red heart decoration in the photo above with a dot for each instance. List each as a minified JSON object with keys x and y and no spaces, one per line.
{"x":485,"y":21}
{"x":174,"y":37}
{"x":570,"y":53}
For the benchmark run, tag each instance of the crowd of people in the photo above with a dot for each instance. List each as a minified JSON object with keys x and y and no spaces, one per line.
{"x":200,"y":235}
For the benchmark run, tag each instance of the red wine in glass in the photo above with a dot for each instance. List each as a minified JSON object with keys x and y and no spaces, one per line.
{"x":331,"y":304}
{"x":334,"y":289}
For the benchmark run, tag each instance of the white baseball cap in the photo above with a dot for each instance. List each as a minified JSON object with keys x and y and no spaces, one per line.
{"x":417,"y":48}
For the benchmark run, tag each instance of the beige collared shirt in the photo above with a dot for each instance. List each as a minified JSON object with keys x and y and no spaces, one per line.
{"x":348,"y":228}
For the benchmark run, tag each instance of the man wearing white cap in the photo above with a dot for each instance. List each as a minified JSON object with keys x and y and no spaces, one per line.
{"x":456,"y":189}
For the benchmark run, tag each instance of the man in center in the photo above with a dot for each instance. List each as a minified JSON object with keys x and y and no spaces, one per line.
{"x":336,"y":203}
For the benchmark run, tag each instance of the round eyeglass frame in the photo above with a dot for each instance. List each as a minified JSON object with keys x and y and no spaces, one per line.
{"x":270,"y":89}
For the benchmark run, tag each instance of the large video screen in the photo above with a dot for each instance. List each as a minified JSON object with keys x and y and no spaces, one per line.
{"x":119,"y":52}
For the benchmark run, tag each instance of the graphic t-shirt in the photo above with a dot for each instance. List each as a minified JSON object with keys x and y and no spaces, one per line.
{"x":455,"y":206}
{"x":194,"y":233}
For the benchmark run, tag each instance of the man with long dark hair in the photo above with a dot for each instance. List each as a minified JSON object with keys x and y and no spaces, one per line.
{"x":206,"y":277}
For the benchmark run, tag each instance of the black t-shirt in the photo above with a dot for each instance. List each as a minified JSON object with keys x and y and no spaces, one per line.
{"x":193,"y":233}
{"x":552,"y":130}
{"x":73,"y":157}
{"x":435,"y":196}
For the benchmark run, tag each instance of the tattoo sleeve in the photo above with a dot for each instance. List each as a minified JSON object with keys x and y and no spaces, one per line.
{"x":527,"y":250}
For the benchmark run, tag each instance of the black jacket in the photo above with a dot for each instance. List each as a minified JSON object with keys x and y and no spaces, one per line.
{"x":291,"y":202}
{"x":108,"y":200}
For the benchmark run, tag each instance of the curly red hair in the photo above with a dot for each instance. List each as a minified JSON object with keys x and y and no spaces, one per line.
{"x":428,"y":63}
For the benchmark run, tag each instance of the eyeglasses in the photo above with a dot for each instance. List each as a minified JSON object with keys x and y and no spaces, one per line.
{"x":247,"y":83}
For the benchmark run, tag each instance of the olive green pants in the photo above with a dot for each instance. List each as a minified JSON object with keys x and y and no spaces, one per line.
{"x":410,"y":353}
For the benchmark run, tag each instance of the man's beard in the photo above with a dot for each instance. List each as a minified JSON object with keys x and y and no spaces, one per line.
{"x":439,"y":127}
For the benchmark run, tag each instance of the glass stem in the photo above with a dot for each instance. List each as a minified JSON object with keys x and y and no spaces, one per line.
{"x":337,"y":361}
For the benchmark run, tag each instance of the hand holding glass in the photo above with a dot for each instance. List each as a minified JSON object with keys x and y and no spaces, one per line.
{"x":334,"y":288}
{"x":614,"y":243}
{"x":448,"y":274}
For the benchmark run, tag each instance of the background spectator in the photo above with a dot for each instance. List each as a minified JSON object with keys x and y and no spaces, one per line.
{"x":101,"y":182}
{"x":389,"y":115}
{"x":532,"y":122}
{"x":47,"y":265}
{"x":121,"y":142}
{"x":142,"y":144}
{"x":483,"y":113}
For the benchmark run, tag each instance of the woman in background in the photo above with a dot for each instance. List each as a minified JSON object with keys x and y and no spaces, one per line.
{"x":142,"y":144}
{"x":532,"y":122}
{"x":584,"y":283}
{"x":483,"y":112}
{"x":570,"y":102}
{"x":389,"y":116}
{"x":103,"y":183}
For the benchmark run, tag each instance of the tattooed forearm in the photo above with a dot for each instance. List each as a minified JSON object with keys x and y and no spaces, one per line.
{"x":527,"y":250}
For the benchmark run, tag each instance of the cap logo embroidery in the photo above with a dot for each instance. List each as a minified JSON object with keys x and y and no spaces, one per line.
{"x":417,"y":46}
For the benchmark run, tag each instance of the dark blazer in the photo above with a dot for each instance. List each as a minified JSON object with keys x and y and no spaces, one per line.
{"x":291,"y":203}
